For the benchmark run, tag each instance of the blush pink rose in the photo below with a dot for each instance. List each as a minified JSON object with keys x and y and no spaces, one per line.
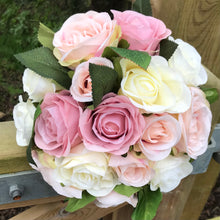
{"x":56,"y":129}
{"x":113,"y":126}
{"x":131,"y":171}
{"x":142,"y":32}
{"x":196,"y":125}
{"x":83,"y":36}
{"x":81,"y":88}
{"x":162,"y":132}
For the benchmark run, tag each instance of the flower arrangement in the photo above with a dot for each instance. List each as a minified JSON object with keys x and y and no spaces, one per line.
{"x":115,"y":112}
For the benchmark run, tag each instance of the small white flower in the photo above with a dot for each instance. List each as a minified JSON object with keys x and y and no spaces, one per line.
{"x":23,"y":115}
{"x":169,"y":172}
{"x":37,"y":86}
{"x":187,"y":61}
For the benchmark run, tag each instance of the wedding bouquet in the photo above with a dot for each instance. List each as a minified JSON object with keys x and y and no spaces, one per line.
{"x":115,"y":113}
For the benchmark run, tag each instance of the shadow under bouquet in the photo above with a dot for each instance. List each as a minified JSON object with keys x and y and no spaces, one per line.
{"x":115,"y":110}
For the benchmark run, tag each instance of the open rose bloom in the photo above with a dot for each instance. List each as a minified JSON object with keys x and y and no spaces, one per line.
{"x":127,"y":118}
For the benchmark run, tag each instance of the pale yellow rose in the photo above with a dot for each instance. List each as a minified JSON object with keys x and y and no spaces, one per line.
{"x":156,"y":89}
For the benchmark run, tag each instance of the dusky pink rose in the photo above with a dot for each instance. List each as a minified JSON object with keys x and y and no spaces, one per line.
{"x":115,"y":199}
{"x":112,"y":126}
{"x":56,"y":129}
{"x":83,"y":36}
{"x":142,"y":32}
{"x":196,"y":125}
{"x":131,"y":171}
{"x":81,"y":88}
{"x":49,"y":176}
{"x":162,"y":132}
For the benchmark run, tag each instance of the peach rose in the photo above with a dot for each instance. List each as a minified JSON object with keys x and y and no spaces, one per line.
{"x":142,"y":32}
{"x":56,"y":129}
{"x":196,"y":125}
{"x":131,"y":171}
{"x":83,"y":36}
{"x":81,"y":88}
{"x":162,"y":132}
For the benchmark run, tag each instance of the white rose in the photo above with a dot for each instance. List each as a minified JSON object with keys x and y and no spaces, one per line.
{"x":169,"y":172}
{"x":115,"y":199}
{"x":23,"y":115}
{"x":87,"y":171}
{"x":156,"y":89}
{"x":37,"y":86}
{"x":187,"y":61}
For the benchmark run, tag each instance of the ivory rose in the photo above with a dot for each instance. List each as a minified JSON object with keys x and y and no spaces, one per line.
{"x":112,"y":126}
{"x":115,"y":199}
{"x":56,"y":129}
{"x":155,"y":90}
{"x":162,"y":132}
{"x":83,"y":36}
{"x":142,"y":32}
{"x":196,"y":125}
{"x":87,"y":171}
{"x":48,"y":172}
{"x":37,"y":86}
{"x":23,"y":115}
{"x":187,"y":61}
{"x":81,"y":88}
{"x":131,"y":171}
{"x":169,"y":172}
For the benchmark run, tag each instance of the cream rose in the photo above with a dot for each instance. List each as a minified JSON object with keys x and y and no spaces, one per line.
{"x":187,"y":61}
{"x":87,"y":171}
{"x":23,"y":115}
{"x":169,"y":172}
{"x":155,"y":90}
{"x":83,"y":36}
{"x":37,"y":86}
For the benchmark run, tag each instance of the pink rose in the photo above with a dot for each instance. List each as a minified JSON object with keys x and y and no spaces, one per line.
{"x":83,"y":36}
{"x":49,"y":176}
{"x":142,"y":32}
{"x":196,"y":125}
{"x":115,"y":199}
{"x":56,"y":129}
{"x":162,"y":132}
{"x":81,"y":88}
{"x":113,"y":126}
{"x":131,"y":171}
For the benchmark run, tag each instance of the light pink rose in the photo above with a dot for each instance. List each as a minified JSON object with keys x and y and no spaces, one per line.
{"x":115,"y":199}
{"x":113,"y":126}
{"x":142,"y":32}
{"x":196,"y":125}
{"x":83,"y":36}
{"x":131,"y":171}
{"x":81,"y":88}
{"x":162,"y":132}
{"x":49,"y":176}
{"x":56,"y":129}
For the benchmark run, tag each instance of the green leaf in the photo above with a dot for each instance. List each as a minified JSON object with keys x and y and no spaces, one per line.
{"x":123,"y":44}
{"x":75,"y":204}
{"x":167,"y":48}
{"x":148,"y":202}
{"x":126,"y":190}
{"x":45,"y":36}
{"x":142,"y":6}
{"x":104,"y":80}
{"x":211,"y":94}
{"x":139,"y":57}
{"x":42,"y":61}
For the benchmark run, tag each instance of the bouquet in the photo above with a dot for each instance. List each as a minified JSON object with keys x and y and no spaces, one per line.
{"x":115,"y":112}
